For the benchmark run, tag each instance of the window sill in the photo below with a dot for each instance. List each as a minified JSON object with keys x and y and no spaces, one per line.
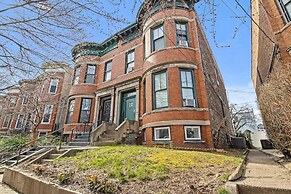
{"x":194,"y":141}
{"x":162,"y":142}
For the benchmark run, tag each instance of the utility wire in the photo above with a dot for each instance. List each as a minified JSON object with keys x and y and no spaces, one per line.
{"x":254,"y":21}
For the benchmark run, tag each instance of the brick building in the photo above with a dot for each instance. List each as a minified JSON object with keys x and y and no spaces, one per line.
{"x":159,"y":72}
{"x":37,"y":105}
{"x":271,"y":43}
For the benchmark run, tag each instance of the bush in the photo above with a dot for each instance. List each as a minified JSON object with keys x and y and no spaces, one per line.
{"x":49,"y":140}
{"x":64,"y":177}
{"x":99,"y":186}
{"x":274,"y":98}
{"x":13,"y":143}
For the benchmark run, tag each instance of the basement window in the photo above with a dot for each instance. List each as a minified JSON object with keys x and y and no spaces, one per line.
{"x":162,"y":133}
{"x":192,"y":133}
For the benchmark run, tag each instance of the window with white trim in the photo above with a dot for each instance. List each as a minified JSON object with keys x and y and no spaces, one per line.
{"x":107,"y":71}
{"x":90,"y":74}
{"x":70,"y":111}
{"x":76,"y":75}
{"x":160,"y":91}
{"x":192,"y":133}
{"x":53,"y":86}
{"x":13,"y":101}
{"x":162,"y":133}
{"x":47,"y":114}
{"x":187,"y":87}
{"x":129,"y":61}
{"x":20,"y":121}
{"x":285,"y":6}
{"x":158,"y":38}
{"x":182,"y":34}
{"x":6,"y":121}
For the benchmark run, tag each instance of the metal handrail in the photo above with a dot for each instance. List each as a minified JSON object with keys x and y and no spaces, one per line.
{"x":33,"y":141}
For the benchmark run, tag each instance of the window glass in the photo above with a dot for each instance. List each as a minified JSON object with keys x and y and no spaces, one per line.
{"x":160,"y":90}
{"x":25,"y":99}
{"x":158,"y":38}
{"x":19,"y":122}
{"x":47,"y":113}
{"x":129,"y":61}
{"x":13,"y":101}
{"x":53,"y":86}
{"x":6,"y":121}
{"x":182,"y":34}
{"x":188,"y":93}
{"x":90,"y":74}
{"x":85,"y":110}
{"x":108,"y":67}
{"x":76,"y":76}
{"x":192,"y":133}
{"x":286,"y":9}
{"x":70,"y":111}
{"x":162,"y":133}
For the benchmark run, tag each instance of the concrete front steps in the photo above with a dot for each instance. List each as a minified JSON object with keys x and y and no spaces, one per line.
{"x":106,"y":139}
{"x":80,"y":140}
{"x":49,"y":156}
{"x":24,"y":156}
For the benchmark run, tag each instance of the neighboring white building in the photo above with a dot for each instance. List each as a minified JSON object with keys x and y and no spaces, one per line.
{"x":258,"y":134}
{"x":245,"y":119}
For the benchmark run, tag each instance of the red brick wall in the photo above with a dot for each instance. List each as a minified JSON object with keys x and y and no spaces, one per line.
{"x":170,"y":59}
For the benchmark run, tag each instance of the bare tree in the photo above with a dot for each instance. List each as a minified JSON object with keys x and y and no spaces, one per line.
{"x":275,"y":103}
{"x":242,"y":116}
{"x":35,"y":31}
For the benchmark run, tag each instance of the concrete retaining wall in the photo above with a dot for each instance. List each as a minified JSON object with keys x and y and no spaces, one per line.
{"x":27,"y":184}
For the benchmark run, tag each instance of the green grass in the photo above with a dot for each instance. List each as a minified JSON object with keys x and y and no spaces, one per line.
{"x":127,"y":163}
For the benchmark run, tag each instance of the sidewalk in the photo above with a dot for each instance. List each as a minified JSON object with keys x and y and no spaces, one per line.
{"x":277,"y":156}
{"x":4,"y":189}
{"x":263,"y":175}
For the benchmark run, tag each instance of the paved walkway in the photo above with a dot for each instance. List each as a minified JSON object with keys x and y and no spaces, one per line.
{"x":4,"y":189}
{"x":263,"y":171}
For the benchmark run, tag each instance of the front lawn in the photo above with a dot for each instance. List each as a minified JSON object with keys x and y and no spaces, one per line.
{"x":138,"y":169}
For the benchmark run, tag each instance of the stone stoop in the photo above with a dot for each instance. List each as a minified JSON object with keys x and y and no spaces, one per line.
{"x":109,"y":137}
{"x":106,"y":139}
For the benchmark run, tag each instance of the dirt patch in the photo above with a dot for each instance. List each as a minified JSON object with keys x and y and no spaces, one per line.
{"x":206,"y":172}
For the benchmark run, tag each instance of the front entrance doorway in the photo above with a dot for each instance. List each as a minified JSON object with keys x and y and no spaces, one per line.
{"x":104,"y":110}
{"x":128,"y":106}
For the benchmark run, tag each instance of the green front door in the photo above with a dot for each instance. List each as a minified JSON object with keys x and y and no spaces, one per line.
{"x":128,"y":106}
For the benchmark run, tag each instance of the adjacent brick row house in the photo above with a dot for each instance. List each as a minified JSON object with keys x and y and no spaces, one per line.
{"x":159,"y":72}
{"x":37,"y":105}
{"x":273,"y":37}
